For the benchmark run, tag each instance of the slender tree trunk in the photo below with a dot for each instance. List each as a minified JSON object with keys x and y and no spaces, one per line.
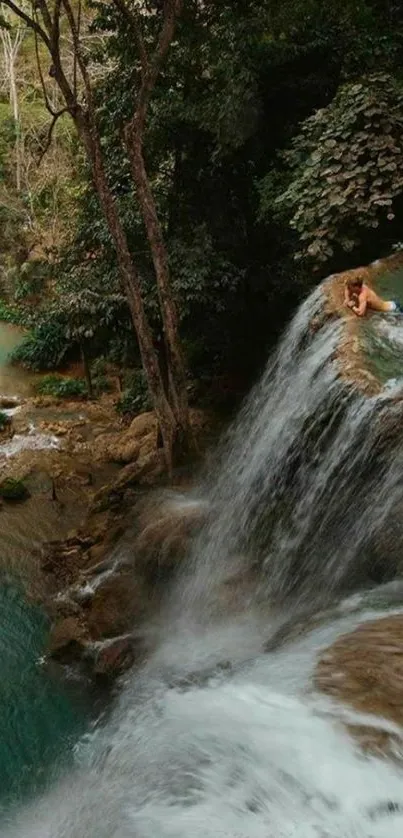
{"x":131,"y":284}
{"x":17,"y":127}
{"x":176,"y":367}
{"x":87,"y":371}
{"x":11,"y":47}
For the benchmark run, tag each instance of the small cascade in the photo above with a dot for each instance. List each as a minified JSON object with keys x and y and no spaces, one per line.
{"x":34,"y":440}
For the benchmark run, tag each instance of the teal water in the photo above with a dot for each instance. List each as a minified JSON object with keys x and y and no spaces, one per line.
{"x":41,"y":716}
{"x":39,"y":720}
{"x":13,"y":380}
{"x":382,"y":335}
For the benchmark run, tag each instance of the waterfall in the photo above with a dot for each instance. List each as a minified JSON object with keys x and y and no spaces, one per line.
{"x":304,"y":489}
{"x":307,"y":480}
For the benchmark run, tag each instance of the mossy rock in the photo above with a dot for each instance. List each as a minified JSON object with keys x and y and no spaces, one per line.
{"x":13,"y":490}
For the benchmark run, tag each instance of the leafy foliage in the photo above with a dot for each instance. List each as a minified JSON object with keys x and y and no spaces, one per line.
{"x":43,"y":348}
{"x":242,"y":83}
{"x":61,"y":387}
{"x":9,"y":313}
{"x":135,"y":397}
{"x":346,"y":168}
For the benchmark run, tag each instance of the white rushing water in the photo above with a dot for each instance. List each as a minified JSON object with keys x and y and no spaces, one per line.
{"x":214,"y":738}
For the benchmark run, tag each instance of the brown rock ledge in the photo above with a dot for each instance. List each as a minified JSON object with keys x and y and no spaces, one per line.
{"x":364,"y":669}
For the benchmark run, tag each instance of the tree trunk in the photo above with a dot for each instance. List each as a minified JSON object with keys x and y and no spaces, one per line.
{"x":87,"y":371}
{"x":176,"y":367}
{"x":131,"y":284}
{"x":11,"y":47}
{"x":17,"y":128}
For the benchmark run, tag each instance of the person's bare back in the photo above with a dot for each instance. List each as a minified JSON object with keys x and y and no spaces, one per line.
{"x":359,"y":297}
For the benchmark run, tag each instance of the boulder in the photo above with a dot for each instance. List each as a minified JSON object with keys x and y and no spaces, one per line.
{"x":166,"y":525}
{"x":143,"y":425}
{"x":125,"y":450}
{"x":117,"y":605}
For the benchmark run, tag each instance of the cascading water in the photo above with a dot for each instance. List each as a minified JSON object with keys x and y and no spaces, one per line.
{"x":306,"y":485}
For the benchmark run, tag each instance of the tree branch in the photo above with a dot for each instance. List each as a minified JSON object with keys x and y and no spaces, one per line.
{"x":75,"y":56}
{"x":172,"y":9}
{"x":133,"y":19}
{"x":30,"y":22}
{"x":50,"y":132}
{"x":41,"y":79}
{"x":41,"y":4}
{"x":77,"y":50}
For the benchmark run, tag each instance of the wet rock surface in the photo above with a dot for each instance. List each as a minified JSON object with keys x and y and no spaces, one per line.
{"x":364,"y":669}
{"x":351,"y":358}
{"x":106,"y":580}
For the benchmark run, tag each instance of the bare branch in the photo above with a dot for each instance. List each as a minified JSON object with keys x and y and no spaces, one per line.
{"x":75,"y":56}
{"x":77,"y":50}
{"x":31,"y":23}
{"x":41,"y":79}
{"x":41,"y":4}
{"x":56,"y":116}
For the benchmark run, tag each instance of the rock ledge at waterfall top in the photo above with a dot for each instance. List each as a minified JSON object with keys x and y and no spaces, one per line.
{"x":350,"y":354}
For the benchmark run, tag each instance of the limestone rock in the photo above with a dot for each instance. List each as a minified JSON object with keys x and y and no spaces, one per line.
{"x":115,"y":657}
{"x":365,"y":670}
{"x":165,"y":527}
{"x":9,"y":403}
{"x":143,"y":425}
{"x":117,"y":605}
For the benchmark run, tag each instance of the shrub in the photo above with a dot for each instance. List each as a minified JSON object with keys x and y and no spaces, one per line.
{"x":10,"y":314}
{"x":43,"y":348}
{"x":101,"y":384}
{"x":60,"y":387}
{"x":99,"y":376}
{"x":344,"y":169}
{"x":135,"y":397}
{"x":13,"y":490}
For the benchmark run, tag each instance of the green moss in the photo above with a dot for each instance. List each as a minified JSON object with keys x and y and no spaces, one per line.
{"x":13,"y":490}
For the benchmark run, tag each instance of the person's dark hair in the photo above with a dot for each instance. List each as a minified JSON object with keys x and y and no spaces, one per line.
{"x":355,"y":282}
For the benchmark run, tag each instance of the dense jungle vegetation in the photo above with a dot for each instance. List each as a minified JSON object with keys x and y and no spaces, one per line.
{"x":174,"y":176}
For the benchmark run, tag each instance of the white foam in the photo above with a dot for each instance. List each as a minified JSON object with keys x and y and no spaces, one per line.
{"x":34,"y":441}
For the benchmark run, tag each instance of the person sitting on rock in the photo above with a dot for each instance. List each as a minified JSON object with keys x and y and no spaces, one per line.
{"x":359,"y":297}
